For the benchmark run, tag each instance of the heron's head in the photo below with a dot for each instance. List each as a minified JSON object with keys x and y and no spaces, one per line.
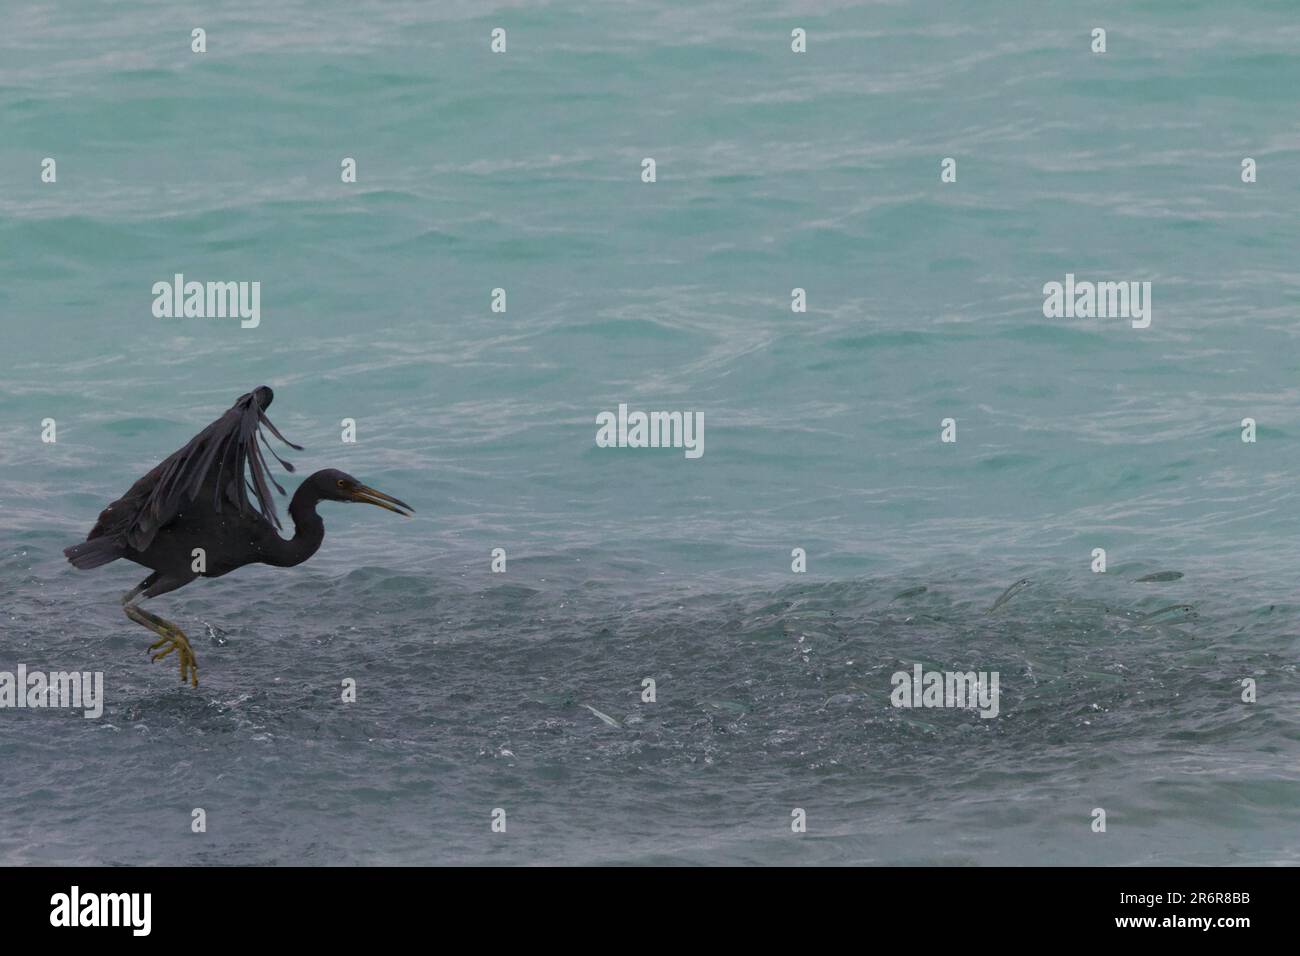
{"x":334,"y":485}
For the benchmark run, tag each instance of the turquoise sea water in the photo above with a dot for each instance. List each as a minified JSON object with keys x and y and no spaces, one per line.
{"x":775,"y":170}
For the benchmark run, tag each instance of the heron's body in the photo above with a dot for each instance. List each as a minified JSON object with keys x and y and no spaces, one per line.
{"x":191,"y":516}
{"x":230,"y":541}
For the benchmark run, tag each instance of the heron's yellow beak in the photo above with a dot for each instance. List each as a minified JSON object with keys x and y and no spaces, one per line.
{"x":370,"y":496}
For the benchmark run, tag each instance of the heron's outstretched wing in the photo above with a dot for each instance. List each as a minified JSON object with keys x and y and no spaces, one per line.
{"x":224,"y":461}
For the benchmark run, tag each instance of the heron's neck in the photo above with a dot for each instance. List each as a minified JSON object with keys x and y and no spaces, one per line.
{"x":308,"y":530}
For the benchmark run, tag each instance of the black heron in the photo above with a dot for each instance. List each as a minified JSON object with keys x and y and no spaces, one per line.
{"x":197,"y":498}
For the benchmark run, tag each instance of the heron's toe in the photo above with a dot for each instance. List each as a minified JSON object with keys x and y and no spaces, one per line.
{"x":178,"y":642}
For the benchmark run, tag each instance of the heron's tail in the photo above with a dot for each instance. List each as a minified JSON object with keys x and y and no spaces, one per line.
{"x":92,"y":553}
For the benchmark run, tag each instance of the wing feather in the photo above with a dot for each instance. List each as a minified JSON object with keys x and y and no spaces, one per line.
{"x":224,"y":458}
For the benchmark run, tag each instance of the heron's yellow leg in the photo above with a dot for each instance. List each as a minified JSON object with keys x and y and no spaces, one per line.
{"x":172,"y":638}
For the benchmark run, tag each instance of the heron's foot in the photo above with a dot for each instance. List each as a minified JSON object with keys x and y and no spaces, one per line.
{"x":175,"y":640}
{"x":170,"y":638}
